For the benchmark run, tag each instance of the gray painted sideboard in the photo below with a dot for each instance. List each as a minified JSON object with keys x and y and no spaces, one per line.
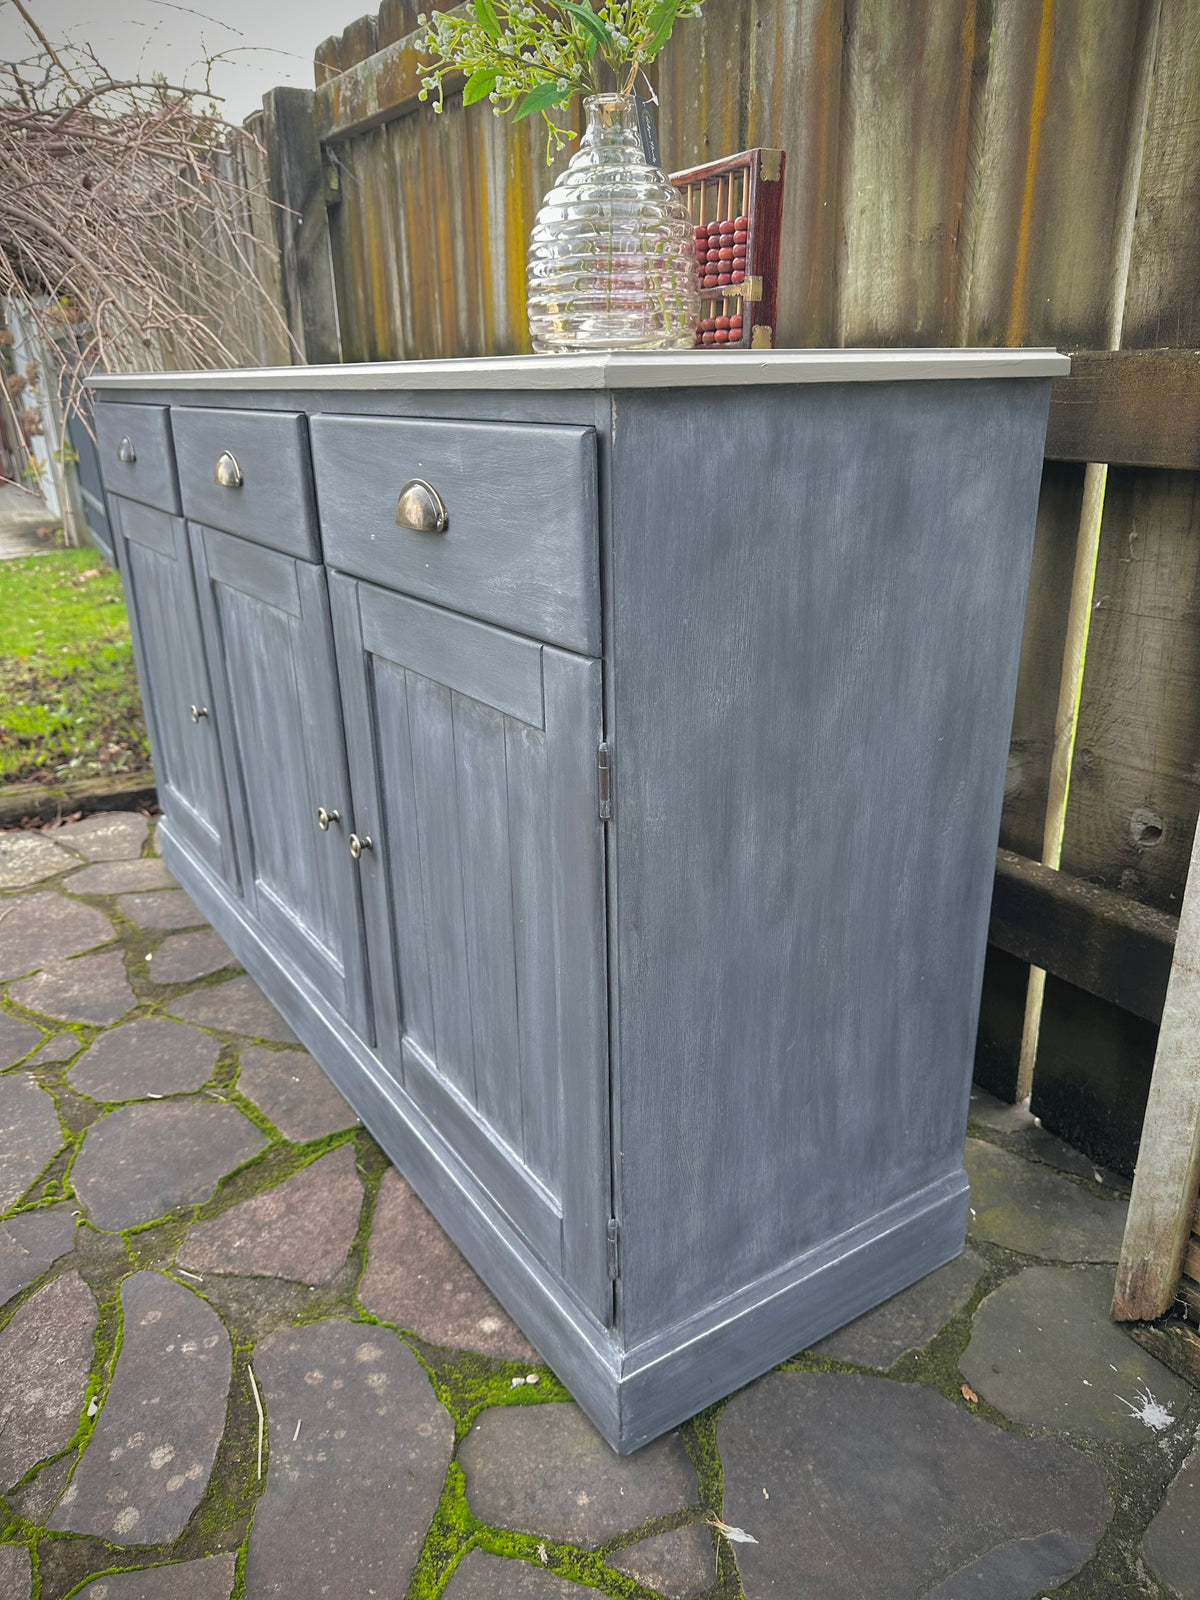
{"x":622,"y":850}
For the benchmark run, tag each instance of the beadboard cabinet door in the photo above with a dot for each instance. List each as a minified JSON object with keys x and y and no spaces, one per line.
{"x":180,"y":714}
{"x":267,"y":630}
{"x":473,"y":756}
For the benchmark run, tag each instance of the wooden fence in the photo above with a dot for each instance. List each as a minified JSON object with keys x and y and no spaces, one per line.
{"x":959,"y":172}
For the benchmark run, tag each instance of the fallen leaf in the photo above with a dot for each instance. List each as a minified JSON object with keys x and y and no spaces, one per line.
{"x":737,"y":1535}
{"x":969,"y":1394}
{"x":543,"y":1555}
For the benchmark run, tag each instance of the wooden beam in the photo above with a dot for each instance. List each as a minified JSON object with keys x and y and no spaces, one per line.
{"x":1099,"y":941}
{"x":301,"y":222}
{"x":1137,"y":408}
{"x":1162,"y":1203}
{"x":385,"y":85}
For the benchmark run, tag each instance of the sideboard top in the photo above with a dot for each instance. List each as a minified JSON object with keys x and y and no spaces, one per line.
{"x":633,"y":370}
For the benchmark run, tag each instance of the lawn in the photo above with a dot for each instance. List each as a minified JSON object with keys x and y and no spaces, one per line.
{"x":69,"y":704}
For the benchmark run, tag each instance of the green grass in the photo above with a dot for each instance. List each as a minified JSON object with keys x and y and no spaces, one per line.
{"x":69,"y":703}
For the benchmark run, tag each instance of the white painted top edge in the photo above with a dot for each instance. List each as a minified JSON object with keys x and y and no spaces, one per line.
{"x":651,"y":370}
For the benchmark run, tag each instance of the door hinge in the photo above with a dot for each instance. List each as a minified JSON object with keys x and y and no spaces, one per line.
{"x":614,"y":1248}
{"x":604,"y":781}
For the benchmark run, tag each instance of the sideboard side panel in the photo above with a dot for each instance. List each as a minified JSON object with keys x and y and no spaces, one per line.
{"x":817,"y":605}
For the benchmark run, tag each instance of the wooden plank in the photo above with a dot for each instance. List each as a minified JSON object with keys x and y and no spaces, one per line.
{"x":1177,"y":1346}
{"x":1064,"y":92}
{"x":1043,"y":639}
{"x":252,"y":570}
{"x":1128,"y":407}
{"x":1103,"y":942}
{"x":1162,"y":306}
{"x":499,"y":669}
{"x":431,"y":730}
{"x":1133,"y":803}
{"x":900,"y":199}
{"x":327,"y":59}
{"x":793,"y":92}
{"x":302,"y":227}
{"x":483,"y":830}
{"x":700,"y":75}
{"x":1191,"y":1260}
{"x":359,"y":41}
{"x":1168,"y":1171}
{"x":374,"y":90}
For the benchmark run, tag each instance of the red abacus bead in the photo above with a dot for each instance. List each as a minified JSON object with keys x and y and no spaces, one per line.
{"x":724,"y":322}
{"x":710,"y":282}
{"x":713,"y":227}
{"x":723,"y":277}
{"x":721,"y":336}
{"x":741,"y":222}
{"x":737,"y":275}
{"x":735,"y":323}
{"x":725,"y":227}
{"x":725,"y":255}
{"x":740,"y":257}
{"x":708,"y":338}
{"x":739,"y":236}
{"x":713,"y":255}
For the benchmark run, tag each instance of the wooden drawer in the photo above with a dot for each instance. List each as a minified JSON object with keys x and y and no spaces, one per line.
{"x":520,"y":544}
{"x":267,"y":451}
{"x":136,"y":459}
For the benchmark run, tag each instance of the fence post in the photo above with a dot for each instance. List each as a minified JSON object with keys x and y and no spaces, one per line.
{"x":298,"y":190}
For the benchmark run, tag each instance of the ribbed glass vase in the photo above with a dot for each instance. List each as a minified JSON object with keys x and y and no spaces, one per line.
{"x":612,"y":262}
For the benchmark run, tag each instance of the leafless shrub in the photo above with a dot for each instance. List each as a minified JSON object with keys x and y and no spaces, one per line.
{"x":127,"y":212}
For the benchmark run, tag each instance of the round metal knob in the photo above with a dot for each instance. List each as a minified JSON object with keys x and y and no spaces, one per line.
{"x":198,"y":712}
{"x":324,"y":818}
{"x":126,"y":452}
{"x":420,"y":508}
{"x":227,"y":472}
{"x":358,"y":845}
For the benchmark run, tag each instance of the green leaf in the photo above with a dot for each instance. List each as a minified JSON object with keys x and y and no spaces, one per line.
{"x":541,"y":99}
{"x":478,"y":85}
{"x":660,"y":22}
{"x":588,"y":18}
{"x":488,"y":19}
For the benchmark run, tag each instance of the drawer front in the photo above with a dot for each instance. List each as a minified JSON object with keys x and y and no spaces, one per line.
{"x":136,"y":459}
{"x":520,"y":544}
{"x":248,"y":472}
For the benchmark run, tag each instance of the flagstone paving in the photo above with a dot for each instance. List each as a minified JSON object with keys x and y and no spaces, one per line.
{"x":168,"y":1265}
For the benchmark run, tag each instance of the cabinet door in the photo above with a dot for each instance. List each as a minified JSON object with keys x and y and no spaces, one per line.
{"x":180,"y":714}
{"x":473,"y":761}
{"x":266,"y":624}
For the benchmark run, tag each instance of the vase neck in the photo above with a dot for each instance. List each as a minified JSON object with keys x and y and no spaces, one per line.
{"x":612,"y":133}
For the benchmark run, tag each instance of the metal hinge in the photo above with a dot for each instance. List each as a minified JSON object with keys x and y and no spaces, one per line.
{"x":604,"y":781}
{"x":614,"y":1251}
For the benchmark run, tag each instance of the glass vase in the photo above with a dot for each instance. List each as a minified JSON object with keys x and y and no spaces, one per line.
{"x":612,"y":262}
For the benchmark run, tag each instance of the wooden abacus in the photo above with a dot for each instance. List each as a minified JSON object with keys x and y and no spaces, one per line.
{"x":736,"y":206}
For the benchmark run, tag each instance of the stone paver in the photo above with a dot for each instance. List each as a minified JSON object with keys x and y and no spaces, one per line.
{"x":107,"y":836}
{"x":1045,"y":1351}
{"x":191,"y":955}
{"x":481,"y":1576}
{"x":148,"y":1460}
{"x":30,"y":1134}
{"x":42,"y":928}
{"x":27,"y":858}
{"x":238,"y":1006}
{"x":301,"y":1229}
{"x":141,"y":1161}
{"x":45,"y":1359}
{"x":164,"y":908}
{"x":908,"y":1320}
{"x":151,"y":1055}
{"x":417,"y":1278}
{"x":60,"y":1048}
{"x":675,"y":1564}
{"x":29,"y":1243}
{"x":88,"y":989}
{"x":1172,"y":1544}
{"x":371,"y":1435}
{"x":545,"y":1470}
{"x":208,"y":1579}
{"x":864,"y":1476}
{"x":1027,"y":1207}
{"x":37,"y":1498}
{"x":1028,"y":1138}
{"x":120,"y":877}
{"x":16,"y":1572}
{"x":289,"y":1087}
{"x":17,"y":1039}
